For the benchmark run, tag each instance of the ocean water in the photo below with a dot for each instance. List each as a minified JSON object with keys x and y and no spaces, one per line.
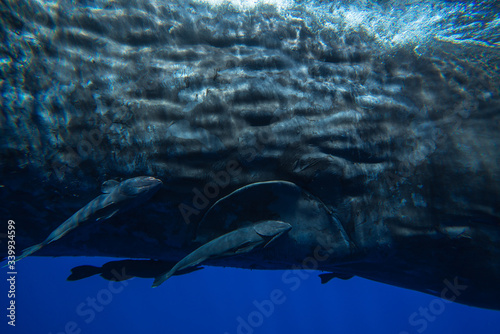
{"x":134,"y":71}
{"x":214,"y":299}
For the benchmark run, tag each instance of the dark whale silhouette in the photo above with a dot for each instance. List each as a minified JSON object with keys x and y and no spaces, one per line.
{"x":383,"y":157}
{"x":126,"y":269}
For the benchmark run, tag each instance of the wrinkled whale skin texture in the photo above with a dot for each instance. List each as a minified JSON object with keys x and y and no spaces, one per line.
{"x":400,"y":147}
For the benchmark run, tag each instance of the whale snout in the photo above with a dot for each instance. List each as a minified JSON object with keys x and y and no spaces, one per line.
{"x":152,"y":182}
{"x":149,"y":183}
{"x":141,"y":186}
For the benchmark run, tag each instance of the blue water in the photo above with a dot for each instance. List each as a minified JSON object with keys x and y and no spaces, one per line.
{"x":226,"y":300}
{"x":213,"y":299}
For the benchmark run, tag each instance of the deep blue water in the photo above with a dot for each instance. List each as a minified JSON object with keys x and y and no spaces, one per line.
{"x":225,"y":300}
{"x":211,"y":301}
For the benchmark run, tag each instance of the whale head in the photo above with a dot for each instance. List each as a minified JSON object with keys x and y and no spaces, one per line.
{"x":139,"y":187}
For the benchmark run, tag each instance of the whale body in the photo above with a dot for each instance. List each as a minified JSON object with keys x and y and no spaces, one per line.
{"x":116,"y":197}
{"x":381,"y":153}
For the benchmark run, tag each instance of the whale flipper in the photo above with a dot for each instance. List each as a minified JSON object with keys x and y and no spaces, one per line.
{"x":30,"y":250}
{"x":327,"y":277}
{"x":242,"y":240}
{"x":117,"y":197}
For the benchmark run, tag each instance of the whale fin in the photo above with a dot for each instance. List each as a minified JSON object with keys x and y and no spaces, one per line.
{"x":267,"y":232}
{"x":238,"y":209}
{"x":325,"y":278}
{"x":107,"y":216}
{"x":81,"y":272}
{"x":242,"y":240}
{"x":244,"y":248}
{"x":108,"y":186}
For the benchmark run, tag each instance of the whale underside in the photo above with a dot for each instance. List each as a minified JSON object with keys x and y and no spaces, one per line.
{"x":383,"y":158}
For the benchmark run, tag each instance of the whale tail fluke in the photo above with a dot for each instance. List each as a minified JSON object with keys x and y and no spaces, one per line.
{"x":30,"y":250}
{"x":27,"y":252}
{"x":325,"y":278}
{"x":81,"y":272}
{"x":160,"y":279}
